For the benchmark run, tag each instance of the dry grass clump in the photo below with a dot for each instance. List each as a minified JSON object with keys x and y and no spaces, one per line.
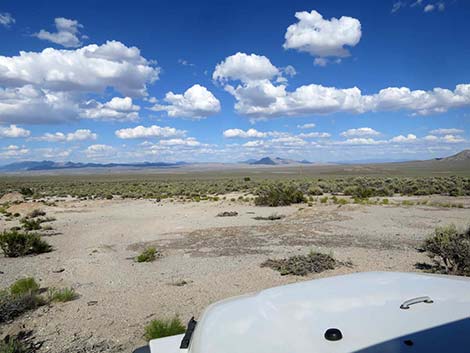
{"x":14,"y":243}
{"x":164,"y":328}
{"x":302,"y":265}
{"x":62,"y":295}
{"x":449,"y":249}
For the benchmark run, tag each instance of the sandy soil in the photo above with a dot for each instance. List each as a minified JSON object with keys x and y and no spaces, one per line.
{"x":218,"y":257}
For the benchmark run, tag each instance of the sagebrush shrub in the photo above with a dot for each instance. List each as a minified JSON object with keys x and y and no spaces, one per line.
{"x":302,"y":265}
{"x":279,"y":195}
{"x":36,"y":213}
{"x":14,"y":243}
{"x":449,"y":248}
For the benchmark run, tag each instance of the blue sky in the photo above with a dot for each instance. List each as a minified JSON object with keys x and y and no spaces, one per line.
{"x":227,"y":81}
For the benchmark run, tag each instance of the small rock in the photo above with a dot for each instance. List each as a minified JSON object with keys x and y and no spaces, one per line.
{"x":92,"y":302}
{"x":59,"y":270}
{"x":228,"y":214}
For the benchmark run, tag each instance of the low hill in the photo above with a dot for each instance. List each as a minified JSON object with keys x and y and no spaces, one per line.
{"x":277,"y":161}
{"x":458,"y":157}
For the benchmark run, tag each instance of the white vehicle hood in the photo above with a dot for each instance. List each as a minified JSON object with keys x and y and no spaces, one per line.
{"x":365,"y":307}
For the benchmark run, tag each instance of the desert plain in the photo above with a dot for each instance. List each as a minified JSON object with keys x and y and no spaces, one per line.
{"x":202,"y":258}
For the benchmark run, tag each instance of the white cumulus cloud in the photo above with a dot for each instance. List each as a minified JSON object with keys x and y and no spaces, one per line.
{"x":453,"y":139}
{"x":148,"y":132}
{"x":448,"y":131}
{"x":13,"y":151}
{"x":244,"y":67}
{"x":315,"y":134}
{"x":264,"y":99}
{"x":306,"y":126}
{"x":77,"y":135}
{"x":196,"y":102}
{"x":99,"y":151}
{"x":250,"y":133}
{"x":67,"y":34}
{"x":322,"y":37}
{"x":361,"y":141}
{"x":6,"y":19}
{"x":189,"y":141}
{"x":117,"y":109}
{"x":429,"y":8}
{"x":92,"y":68}
{"x":31,"y":105}
{"x":255,"y":143}
{"x":13,"y":131}
{"x":54,"y":85}
{"x":257,"y":96}
{"x":362,"y":131}
{"x":404,"y":139}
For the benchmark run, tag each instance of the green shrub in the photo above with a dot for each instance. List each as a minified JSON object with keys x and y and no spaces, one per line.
{"x":279,"y":195}
{"x":324,"y":199}
{"x":315,"y":190}
{"x":26,"y":191}
{"x":29,"y":224}
{"x":15,"y":243}
{"x":62,"y":295}
{"x":148,"y":255}
{"x":164,"y":328}
{"x":24,"y":286}
{"x":36,"y":213}
{"x":449,"y":249}
{"x":362,"y":193}
{"x":302,"y":265}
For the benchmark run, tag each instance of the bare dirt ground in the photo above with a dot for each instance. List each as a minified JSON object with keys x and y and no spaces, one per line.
{"x":217,"y":257}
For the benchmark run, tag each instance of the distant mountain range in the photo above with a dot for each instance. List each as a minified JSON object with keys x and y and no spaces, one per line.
{"x":51,"y":165}
{"x":461,"y":158}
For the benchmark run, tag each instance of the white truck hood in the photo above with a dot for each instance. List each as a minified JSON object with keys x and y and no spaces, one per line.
{"x":364,"y":307}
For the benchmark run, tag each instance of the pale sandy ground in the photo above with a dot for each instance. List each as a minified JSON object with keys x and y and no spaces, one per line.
{"x":95,"y":243}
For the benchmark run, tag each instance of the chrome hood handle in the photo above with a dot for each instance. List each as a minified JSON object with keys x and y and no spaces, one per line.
{"x":406,"y":304}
